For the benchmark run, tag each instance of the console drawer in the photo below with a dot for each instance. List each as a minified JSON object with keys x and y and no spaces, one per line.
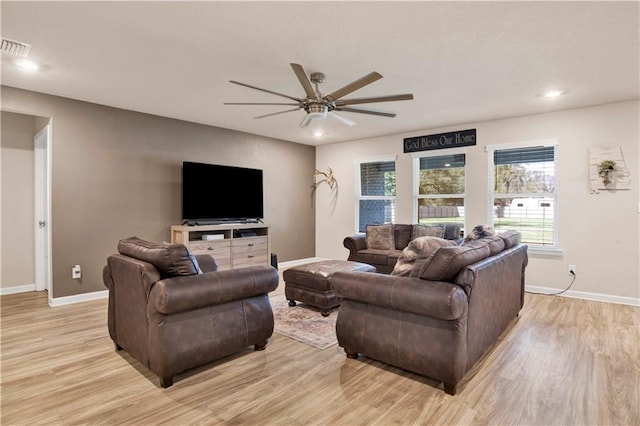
{"x":249,"y":244}
{"x":249,"y":251}
{"x":250,"y":259}
{"x":210,"y":247}
{"x":219,"y":250}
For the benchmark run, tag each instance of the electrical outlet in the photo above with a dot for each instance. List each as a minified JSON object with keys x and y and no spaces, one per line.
{"x":76,"y":272}
{"x":572,"y":270}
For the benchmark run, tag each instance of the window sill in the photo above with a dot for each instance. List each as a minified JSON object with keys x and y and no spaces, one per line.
{"x":537,"y":251}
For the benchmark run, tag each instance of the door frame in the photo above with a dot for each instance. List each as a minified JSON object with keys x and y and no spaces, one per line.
{"x":42,"y":209}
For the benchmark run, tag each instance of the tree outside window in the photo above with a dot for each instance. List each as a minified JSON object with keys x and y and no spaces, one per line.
{"x":524,"y":193}
{"x":441,"y":189}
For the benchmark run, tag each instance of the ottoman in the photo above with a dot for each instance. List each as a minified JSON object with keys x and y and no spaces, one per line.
{"x":311,"y":283}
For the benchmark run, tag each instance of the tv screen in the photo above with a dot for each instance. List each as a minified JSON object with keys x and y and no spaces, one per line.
{"x":213,"y":193}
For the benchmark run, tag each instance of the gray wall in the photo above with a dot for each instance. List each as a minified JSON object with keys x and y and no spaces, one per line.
{"x":17,"y":189}
{"x":117,"y":173}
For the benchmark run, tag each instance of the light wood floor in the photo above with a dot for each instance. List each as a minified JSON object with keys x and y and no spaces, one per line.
{"x":563,"y":362}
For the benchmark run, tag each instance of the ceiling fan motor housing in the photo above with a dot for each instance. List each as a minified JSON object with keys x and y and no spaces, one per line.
{"x":317,"y":110}
{"x":317,"y":77}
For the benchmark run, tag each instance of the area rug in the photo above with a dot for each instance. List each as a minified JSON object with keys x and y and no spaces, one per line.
{"x":304,"y":323}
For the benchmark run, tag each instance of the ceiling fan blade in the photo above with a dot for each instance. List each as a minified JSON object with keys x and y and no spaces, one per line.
{"x":305,"y":121}
{"x":390,"y":98}
{"x":259,"y":103}
{"x":366,"y":111}
{"x":304,"y":81}
{"x":361,"y":82}
{"x":276,"y":113}
{"x":343,"y":120}
{"x":265,"y":90}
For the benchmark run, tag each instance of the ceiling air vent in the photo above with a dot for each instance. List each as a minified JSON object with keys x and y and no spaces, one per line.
{"x":15,"y":48}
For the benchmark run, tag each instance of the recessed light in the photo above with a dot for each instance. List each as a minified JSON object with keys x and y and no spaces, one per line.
{"x":27,"y":64}
{"x":318,"y":134}
{"x":553,"y":93}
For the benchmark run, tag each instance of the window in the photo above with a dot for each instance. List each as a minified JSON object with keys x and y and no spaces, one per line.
{"x":439,"y":189}
{"x":523,"y":192}
{"x":375,"y":193}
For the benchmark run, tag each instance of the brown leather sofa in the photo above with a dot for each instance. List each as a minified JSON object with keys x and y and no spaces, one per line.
{"x":381,"y":245}
{"x":440,"y":321}
{"x":173,"y":312}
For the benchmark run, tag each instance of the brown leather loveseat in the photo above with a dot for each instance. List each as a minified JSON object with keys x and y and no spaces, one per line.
{"x":381,"y":245}
{"x":173,"y":312}
{"x":440,"y":321}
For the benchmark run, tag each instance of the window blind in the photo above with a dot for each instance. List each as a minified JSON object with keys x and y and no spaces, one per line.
{"x":536,"y":154}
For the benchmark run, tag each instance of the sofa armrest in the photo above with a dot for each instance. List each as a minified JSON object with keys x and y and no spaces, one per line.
{"x":435,"y":299}
{"x":186,"y":293}
{"x":107,"y":279}
{"x":355,"y":243}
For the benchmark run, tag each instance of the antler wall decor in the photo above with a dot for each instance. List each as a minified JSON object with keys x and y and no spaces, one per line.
{"x":327,"y":177}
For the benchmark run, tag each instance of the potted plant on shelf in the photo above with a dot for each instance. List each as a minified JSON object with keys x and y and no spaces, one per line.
{"x":605,"y":169}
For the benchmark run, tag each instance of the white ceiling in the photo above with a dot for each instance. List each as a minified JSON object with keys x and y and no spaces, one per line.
{"x":463,"y":61}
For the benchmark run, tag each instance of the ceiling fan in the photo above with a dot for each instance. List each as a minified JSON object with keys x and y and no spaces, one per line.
{"x":318,"y":106}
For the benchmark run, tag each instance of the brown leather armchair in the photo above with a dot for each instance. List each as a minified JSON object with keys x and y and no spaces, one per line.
{"x":173,"y":312}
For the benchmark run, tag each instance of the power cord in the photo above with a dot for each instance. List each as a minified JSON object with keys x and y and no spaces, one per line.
{"x":573,"y":274}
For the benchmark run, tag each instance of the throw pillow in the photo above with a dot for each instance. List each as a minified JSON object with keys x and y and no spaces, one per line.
{"x":447,"y":262}
{"x":479,"y":231}
{"x":380,"y":237}
{"x":169,"y":259}
{"x":427,"y":231}
{"x":451,"y":231}
{"x":402,"y":235}
{"x":416,"y":251}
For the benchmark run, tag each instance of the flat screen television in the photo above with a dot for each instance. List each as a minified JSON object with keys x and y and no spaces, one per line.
{"x":214,"y":193}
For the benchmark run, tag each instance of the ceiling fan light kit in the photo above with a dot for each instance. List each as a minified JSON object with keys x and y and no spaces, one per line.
{"x":317,"y":106}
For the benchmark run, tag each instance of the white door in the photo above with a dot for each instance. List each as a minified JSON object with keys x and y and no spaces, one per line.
{"x":41,"y":144}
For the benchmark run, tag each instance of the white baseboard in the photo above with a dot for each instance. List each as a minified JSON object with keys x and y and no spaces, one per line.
{"x":77,"y":298}
{"x":85,"y":297}
{"x":597,"y":297}
{"x":17,"y":289}
{"x":57,"y":301}
{"x":297,"y":262}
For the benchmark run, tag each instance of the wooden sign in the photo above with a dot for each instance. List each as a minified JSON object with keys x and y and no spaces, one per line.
{"x":440,"y":141}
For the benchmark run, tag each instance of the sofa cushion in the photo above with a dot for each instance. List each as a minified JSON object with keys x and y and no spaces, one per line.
{"x":402,"y":235}
{"x":380,"y":237}
{"x":169,"y":259}
{"x":393,"y":257}
{"x":420,"y":248}
{"x":447,"y":262}
{"x":510,"y":238}
{"x":495,"y":244}
{"x":377,"y":257}
{"x":427,"y":231}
